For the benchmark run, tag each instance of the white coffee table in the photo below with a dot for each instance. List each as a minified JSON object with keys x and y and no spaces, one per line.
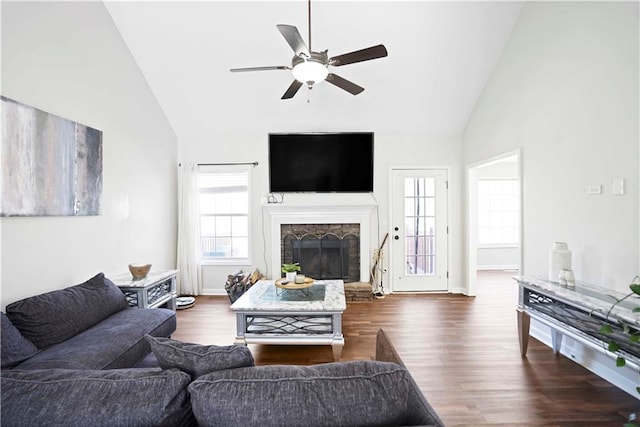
{"x":293,"y":317}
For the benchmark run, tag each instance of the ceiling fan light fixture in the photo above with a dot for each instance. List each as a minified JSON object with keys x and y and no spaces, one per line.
{"x":310,"y":72}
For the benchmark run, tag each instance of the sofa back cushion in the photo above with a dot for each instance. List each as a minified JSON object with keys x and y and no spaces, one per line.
{"x":14,"y":347}
{"x":197,"y":359}
{"x":53,"y":317}
{"x":358,"y":393}
{"x":119,"y":397}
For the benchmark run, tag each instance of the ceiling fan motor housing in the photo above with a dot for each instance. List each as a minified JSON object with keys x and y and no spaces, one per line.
{"x":310,"y":70}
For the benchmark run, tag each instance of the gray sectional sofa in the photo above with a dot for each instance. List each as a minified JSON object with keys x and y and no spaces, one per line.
{"x":86,"y":326}
{"x":58,"y":368}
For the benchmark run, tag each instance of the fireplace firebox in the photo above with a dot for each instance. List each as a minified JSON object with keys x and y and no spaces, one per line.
{"x":324,"y":251}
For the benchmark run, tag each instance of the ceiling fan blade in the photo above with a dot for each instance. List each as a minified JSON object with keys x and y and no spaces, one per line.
{"x":345,"y":84}
{"x":373,"y":52}
{"x":292,"y":90}
{"x":293,"y":37}
{"x":275,"y":67}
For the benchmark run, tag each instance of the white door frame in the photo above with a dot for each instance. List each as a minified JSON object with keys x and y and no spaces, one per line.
{"x":449,"y":217}
{"x":472,"y":219}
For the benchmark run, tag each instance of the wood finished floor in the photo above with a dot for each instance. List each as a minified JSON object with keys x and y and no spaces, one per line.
{"x":462,"y":351}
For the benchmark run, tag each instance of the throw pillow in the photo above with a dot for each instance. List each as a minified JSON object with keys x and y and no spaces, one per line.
{"x":198,"y":359}
{"x":55,"y":316}
{"x":14,"y":347}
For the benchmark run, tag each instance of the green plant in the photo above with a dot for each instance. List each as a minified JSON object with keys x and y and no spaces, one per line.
{"x":290,"y":268}
{"x":632,"y":335}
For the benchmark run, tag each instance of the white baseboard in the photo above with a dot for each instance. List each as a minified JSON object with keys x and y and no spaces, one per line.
{"x":214,"y":292}
{"x":597,"y":360}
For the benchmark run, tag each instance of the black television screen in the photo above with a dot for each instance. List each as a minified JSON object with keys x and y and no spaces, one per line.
{"x":321,"y":162}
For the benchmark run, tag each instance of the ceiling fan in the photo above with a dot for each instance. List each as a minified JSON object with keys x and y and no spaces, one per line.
{"x":310,"y":67}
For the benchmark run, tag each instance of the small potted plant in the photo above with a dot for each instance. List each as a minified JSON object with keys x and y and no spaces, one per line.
{"x":290,"y":271}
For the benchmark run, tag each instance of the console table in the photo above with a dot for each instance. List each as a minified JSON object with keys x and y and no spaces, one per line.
{"x":156,"y":290}
{"x":578,"y":313}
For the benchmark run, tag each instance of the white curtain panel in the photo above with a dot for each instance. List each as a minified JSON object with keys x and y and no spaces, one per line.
{"x":188,"y":224}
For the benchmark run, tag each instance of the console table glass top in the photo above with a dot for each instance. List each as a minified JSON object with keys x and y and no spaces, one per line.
{"x":588,"y":296}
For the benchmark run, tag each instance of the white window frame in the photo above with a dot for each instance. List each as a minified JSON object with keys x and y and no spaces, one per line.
{"x":212,"y":169}
{"x":516,"y":226}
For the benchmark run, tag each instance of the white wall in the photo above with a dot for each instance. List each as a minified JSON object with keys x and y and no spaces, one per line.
{"x":566,"y":91}
{"x":399,"y":149}
{"x":67,"y":58}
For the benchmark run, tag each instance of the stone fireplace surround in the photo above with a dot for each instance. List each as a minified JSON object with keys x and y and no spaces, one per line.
{"x":304,"y":214}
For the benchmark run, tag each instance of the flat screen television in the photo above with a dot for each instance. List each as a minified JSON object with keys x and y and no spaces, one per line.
{"x":321,"y":162}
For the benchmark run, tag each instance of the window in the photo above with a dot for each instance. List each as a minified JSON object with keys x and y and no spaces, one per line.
{"x":498,"y":212}
{"x":224,"y":214}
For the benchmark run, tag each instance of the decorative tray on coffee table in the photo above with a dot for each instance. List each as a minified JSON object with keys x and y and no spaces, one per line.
{"x":283,"y":283}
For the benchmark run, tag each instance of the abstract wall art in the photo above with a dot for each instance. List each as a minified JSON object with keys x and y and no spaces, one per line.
{"x":49,"y":166}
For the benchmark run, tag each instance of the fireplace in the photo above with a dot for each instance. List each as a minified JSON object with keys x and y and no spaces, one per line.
{"x":324,"y":251}
{"x":333,"y":219}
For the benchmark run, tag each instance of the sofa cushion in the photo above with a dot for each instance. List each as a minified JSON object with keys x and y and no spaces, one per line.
{"x":116,"y":342}
{"x":53,"y":317}
{"x":356,"y":393}
{"x":119,"y":397}
{"x":14,"y":347}
{"x":198,"y":359}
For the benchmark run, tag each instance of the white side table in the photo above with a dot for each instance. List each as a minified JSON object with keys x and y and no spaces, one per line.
{"x":156,"y":290}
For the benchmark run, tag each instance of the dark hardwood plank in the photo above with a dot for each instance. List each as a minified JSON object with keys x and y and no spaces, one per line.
{"x":462,"y":351}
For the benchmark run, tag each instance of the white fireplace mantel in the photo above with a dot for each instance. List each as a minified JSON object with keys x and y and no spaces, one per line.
{"x":305,"y":214}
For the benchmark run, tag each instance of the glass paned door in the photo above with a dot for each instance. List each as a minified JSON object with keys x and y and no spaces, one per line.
{"x":419,"y":230}
{"x":419,"y":225}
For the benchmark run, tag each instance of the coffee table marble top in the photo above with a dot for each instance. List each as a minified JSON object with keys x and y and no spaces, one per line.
{"x":263,"y":297}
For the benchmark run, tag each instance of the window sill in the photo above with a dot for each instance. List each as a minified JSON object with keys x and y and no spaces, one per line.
{"x":225,"y":261}
{"x":499,"y":246}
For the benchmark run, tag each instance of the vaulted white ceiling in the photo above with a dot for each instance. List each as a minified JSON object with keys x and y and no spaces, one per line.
{"x":440,"y":57}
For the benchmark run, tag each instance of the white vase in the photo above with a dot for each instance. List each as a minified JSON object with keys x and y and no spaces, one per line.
{"x":291,"y":276}
{"x":570,"y":278}
{"x":559,"y":258}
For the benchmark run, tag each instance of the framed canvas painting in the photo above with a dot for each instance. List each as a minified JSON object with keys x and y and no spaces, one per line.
{"x":49,"y":166}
